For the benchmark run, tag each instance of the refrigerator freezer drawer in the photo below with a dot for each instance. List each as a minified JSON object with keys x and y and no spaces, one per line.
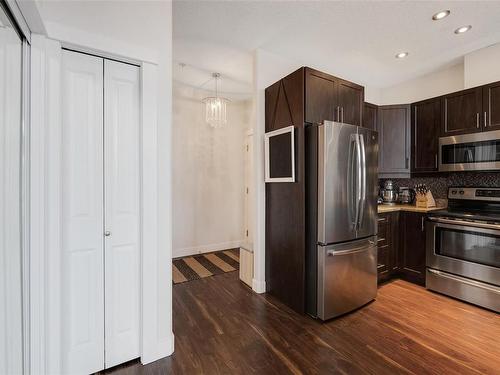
{"x":347,"y":276}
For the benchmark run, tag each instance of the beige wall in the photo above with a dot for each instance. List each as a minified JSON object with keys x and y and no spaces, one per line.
{"x":437,"y":83}
{"x":208,"y":175}
{"x":474,"y":69}
{"x":482,"y":66}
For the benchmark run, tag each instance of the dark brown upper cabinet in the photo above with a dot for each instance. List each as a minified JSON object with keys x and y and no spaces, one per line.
{"x":350,"y":98}
{"x":328,"y":98}
{"x":425,"y":128}
{"x":370,"y":114}
{"x":394,"y":140}
{"x":491,"y":107}
{"x":321,"y":97}
{"x":462,"y":112}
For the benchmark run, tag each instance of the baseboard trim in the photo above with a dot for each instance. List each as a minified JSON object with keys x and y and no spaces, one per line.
{"x":187,"y":251}
{"x":258,"y":286}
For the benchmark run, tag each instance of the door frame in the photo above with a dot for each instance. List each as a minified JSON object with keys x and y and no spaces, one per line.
{"x":249,"y":187}
{"x":45,"y":177}
{"x":20,"y":25}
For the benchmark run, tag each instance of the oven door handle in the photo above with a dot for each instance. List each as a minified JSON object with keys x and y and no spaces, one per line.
{"x":463,"y":223}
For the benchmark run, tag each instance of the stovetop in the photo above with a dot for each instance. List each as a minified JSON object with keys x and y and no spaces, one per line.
{"x":481,"y":204}
{"x":489,"y":217}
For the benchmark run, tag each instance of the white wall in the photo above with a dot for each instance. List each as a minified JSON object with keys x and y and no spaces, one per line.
{"x":163,"y":40}
{"x":372,"y":94}
{"x":434,"y":84}
{"x":482,"y":66}
{"x":208,"y":175}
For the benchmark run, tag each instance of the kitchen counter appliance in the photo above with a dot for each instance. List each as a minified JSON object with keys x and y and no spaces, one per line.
{"x":342,"y":218}
{"x":470,"y":152}
{"x":463,"y":247}
{"x":406,"y":195}
{"x":389,"y":194}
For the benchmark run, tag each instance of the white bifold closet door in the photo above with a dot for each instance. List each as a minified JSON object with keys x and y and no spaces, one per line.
{"x":100,"y":213}
{"x":121,"y":202}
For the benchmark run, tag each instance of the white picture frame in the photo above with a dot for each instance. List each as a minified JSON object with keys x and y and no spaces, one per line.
{"x":267,"y":136}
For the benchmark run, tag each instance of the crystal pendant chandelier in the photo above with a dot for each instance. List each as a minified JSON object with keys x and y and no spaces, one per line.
{"x":216,"y":107}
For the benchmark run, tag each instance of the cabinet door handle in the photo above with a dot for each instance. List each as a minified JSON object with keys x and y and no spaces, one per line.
{"x":338,"y":113}
{"x":342,"y":112}
{"x":407,"y":160}
{"x":423,"y":228}
{"x":485,"y":122}
{"x":477,"y":120}
{"x":436,"y":160}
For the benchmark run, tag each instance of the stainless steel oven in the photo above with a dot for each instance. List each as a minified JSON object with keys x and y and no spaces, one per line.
{"x":463,"y":249}
{"x":478,"y":151}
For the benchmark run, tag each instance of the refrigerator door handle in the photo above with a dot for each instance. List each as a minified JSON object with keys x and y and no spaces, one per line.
{"x":358,"y":249}
{"x":362,"y":180}
{"x":351,"y":187}
{"x":359,"y":180}
{"x":353,"y":180}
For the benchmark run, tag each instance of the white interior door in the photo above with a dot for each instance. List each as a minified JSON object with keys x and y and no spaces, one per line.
{"x":82,"y":214}
{"x":122,"y":242}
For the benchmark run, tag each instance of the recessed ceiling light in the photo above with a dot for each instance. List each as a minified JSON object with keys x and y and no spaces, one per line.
{"x":401,"y":55}
{"x":440,"y":15}
{"x":463,"y":29}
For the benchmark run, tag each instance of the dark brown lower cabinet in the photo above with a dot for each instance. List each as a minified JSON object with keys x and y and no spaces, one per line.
{"x":387,"y":245}
{"x":411,"y":255}
{"x":401,"y":246}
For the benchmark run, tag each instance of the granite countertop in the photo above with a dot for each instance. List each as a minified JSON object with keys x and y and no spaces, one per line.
{"x":406,"y":207}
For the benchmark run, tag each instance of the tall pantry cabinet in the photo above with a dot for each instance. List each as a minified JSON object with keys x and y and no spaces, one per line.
{"x":100,"y":213}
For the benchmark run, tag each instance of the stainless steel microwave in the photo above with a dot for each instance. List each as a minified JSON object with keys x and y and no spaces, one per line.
{"x":470,"y":152}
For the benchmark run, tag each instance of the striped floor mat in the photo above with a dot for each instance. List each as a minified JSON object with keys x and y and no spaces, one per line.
{"x":204,"y":265}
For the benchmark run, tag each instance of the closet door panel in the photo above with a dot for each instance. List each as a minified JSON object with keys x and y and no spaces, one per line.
{"x":122,"y":246}
{"x":82,"y":214}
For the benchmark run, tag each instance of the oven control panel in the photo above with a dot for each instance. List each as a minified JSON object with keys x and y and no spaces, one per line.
{"x":489,"y":194}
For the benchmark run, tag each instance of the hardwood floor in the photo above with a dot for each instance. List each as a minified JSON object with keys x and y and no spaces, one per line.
{"x":221,"y":327}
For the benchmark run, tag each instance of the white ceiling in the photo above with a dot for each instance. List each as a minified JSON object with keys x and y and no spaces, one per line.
{"x":355,"y":40}
{"x":135,"y":21}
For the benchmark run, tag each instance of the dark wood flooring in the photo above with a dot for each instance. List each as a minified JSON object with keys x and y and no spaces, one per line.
{"x":221,"y":327}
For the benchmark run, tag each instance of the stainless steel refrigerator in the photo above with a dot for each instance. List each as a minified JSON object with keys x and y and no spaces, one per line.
{"x":341,"y":210}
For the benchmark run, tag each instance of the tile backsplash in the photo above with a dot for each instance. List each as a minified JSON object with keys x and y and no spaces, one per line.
{"x":439,"y":184}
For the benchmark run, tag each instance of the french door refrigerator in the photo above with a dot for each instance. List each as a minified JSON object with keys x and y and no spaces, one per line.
{"x":341,"y":209}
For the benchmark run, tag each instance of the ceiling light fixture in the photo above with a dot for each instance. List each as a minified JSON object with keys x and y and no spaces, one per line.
{"x":216,"y":107}
{"x":440,"y":15}
{"x":401,"y":55}
{"x":463,"y":29}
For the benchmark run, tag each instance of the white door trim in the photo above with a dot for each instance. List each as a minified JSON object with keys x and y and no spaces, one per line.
{"x":45,"y":206}
{"x":157,"y":339}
